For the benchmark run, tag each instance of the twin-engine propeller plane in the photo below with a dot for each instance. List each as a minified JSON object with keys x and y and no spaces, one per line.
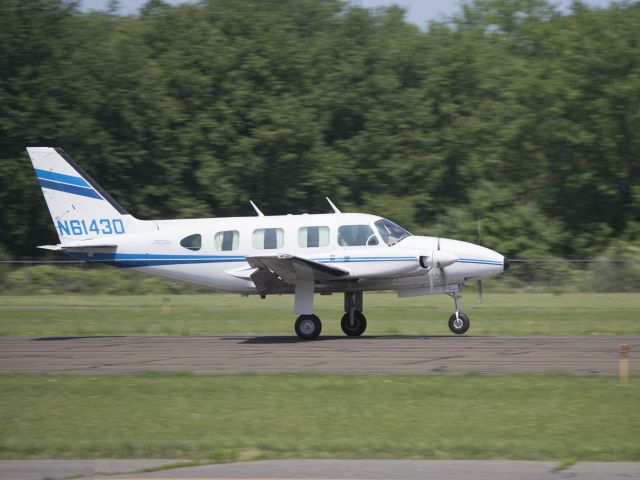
{"x":264,"y":255}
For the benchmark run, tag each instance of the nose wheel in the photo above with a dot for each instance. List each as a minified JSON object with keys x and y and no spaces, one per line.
{"x":459,"y":323}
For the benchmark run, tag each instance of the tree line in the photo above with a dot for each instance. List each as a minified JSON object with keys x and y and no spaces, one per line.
{"x":510,"y":122}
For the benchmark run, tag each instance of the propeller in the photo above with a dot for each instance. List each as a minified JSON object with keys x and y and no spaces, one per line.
{"x":443,"y":275}
{"x":479,"y":282}
{"x":439,"y":259}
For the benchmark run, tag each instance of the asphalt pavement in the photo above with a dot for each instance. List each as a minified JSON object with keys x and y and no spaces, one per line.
{"x":321,"y":470}
{"x":593,"y":354}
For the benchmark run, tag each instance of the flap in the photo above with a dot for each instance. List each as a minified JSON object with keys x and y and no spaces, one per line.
{"x":243,"y":273}
{"x":275,"y":273}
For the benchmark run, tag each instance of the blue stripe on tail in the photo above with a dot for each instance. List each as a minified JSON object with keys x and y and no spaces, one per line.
{"x":63,"y":187}
{"x":62,"y":178}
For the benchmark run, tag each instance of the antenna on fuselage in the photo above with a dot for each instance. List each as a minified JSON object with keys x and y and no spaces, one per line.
{"x":335,"y":209}
{"x":255,"y":207}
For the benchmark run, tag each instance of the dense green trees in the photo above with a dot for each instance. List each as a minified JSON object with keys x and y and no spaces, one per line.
{"x":510,"y":115}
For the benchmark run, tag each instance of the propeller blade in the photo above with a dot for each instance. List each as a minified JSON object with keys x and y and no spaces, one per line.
{"x":480,"y":291}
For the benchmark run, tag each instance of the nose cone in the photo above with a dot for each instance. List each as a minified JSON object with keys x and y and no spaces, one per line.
{"x":461,"y":261}
{"x":505,"y":264}
{"x":475,"y":261}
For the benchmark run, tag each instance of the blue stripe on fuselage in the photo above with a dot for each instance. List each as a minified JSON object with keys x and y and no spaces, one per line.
{"x":480,"y":262}
{"x":128,"y":260}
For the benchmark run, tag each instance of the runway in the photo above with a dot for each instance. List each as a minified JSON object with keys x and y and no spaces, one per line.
{"x":368,"y":354}
{"x":319,"y":470}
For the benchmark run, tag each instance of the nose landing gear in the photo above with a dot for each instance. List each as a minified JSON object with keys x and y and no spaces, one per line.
{"x":458,"y":322}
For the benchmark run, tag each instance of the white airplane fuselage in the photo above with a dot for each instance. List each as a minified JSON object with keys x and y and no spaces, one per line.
{"x":373,"y":267}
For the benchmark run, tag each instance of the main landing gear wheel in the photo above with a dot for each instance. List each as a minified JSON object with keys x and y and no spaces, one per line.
{"x":459,"y":323}
{"x":308,"y":327}
{"x":355,"y":328}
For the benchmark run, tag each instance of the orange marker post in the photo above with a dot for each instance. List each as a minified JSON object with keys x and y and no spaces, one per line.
{"x":166,"y":306}
{"x":623,"y":363}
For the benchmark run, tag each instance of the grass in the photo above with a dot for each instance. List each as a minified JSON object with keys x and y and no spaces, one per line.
{"x":500,"y":314}
{"x":241,"y":417}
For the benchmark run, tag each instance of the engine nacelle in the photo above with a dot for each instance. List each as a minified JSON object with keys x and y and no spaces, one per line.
{"x":438,"y":259}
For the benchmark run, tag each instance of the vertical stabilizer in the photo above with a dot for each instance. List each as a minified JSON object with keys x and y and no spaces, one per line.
{"x":79,"y":207}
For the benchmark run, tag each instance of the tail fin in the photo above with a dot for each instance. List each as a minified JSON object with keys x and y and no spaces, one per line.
{"x":79,"y":207}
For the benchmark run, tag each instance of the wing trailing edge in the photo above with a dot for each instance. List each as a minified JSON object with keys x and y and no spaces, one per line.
{"x":279,"y":273}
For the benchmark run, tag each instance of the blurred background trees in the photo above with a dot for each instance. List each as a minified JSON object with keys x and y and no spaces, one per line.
{"x":510,"y":119}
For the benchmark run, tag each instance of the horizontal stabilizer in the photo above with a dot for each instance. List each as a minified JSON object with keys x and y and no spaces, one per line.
{"x":55,"y":248}
{"x":79,"y":246}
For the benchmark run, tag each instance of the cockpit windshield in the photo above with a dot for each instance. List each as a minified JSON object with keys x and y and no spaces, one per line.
{"x":390,"y":232}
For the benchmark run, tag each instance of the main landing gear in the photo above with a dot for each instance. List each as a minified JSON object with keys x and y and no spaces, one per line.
{"x":353,"y":323}
{"x":458,"y":322}
{"x":308,"y":327}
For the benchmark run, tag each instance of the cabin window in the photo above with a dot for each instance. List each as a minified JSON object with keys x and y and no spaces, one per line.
{"x":309,"y":237}
{"x":356,"y":236}
{"x":268,"y":238}
{"x":226,"y":241}
{"x":192,"y":242}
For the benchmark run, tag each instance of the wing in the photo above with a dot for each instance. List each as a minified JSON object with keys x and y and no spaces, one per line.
{"x":278,"y":274}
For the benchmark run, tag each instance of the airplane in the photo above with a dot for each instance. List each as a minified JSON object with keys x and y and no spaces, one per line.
{"x":305,"y":254}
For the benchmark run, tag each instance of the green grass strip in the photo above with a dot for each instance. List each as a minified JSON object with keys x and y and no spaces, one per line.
{"x":236,"y":417}
{"x":500,"y":314}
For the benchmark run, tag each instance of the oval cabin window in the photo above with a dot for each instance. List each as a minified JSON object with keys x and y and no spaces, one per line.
{"x":192,"y":242}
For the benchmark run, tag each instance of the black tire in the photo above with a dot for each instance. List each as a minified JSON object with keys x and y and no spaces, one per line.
{"x":358,"y":327}
{"x":308,"y":327}
{"x":459,"y":325}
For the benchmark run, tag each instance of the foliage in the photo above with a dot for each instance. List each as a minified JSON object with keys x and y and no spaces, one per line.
{"x":617,"y":275}
{"x":509,"y":113}
{"x":89,"y":279}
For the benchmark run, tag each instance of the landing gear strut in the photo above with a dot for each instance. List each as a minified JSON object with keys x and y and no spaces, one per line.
{"x":353,"y":322}
{"x":308,"y":325}
{"x":458,"y":322}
